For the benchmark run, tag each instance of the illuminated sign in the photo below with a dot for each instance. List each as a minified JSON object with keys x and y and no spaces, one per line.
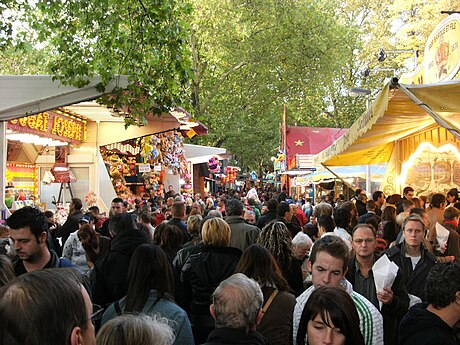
{"x":52,"y":124}
{"x":442,"y":58}
{"x":430,"y":169}
{"x":442,"y":55}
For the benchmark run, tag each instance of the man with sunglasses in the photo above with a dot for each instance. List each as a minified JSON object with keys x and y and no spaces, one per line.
{"x":395,"y":301}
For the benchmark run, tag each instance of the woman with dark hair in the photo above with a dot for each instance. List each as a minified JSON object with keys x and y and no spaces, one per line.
{"x":94,"y":244}
{"x":330,"y":316}
{"x":351,"y":207}
{"x":394,"y":199}
{"x":259,"y":264}
{"x":276,"y":237}
{"x":452,"y":196}
{"x":169,"y":238}
{"x":109,"y":277}
{"x":388,"y":229}
{"x":150,"y":291}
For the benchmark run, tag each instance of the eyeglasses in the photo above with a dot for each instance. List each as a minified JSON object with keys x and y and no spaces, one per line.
{"x":97,"y":313}
{"x":361,"y":240}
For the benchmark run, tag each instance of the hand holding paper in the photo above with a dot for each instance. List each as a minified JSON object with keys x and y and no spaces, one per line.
{"x":442,"y":235}
{"x":384,"y":272}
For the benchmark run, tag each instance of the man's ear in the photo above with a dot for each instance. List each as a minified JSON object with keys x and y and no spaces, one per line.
{"x":309,"y":266}
{"x":259,"y":317}
{"x":76,"y":337}
{"x":212,"y":311}
{"x":43,"y":237}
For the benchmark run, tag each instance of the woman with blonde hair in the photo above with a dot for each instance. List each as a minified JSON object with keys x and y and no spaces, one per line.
{"x":193,"y":227}
{"x":133,"y":329}
{"x":204,"y":271}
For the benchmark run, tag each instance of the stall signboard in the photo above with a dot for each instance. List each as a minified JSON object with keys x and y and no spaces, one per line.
{"x":144,"y":168}
{"x":52,"y":124}
{"x":302,"y":181}
{"x":305,"y":161}
{"x":432,"y":169}
{"x":442,"y":55}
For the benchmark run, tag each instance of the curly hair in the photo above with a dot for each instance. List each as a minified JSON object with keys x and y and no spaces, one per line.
{"x":259,"y":264}
{"x":276,"y":238}
{"x":442,"y":284}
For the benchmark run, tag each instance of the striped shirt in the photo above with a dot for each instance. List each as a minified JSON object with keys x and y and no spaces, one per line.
{"x":370,"y":319}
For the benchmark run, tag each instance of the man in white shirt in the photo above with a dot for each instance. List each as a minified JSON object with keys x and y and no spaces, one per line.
{"x":328,"y":266}
{"x":342,"y":219}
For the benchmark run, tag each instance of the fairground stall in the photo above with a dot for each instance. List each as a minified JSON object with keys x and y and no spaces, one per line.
{"x":413,"y":124}
{"x":52,"y":153}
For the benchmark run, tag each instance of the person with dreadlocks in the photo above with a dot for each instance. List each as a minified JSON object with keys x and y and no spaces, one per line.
{"x":276,"y":237}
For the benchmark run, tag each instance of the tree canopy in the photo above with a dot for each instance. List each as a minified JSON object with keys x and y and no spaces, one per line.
{"x":232,"y":63}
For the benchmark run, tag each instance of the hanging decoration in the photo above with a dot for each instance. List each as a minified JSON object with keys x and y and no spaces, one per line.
{"x":214,"y":165}
{"x":157,"y":153}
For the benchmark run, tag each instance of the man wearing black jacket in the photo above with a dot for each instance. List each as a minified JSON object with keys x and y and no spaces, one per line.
{"x":433,"y":323}
{"x":237,"y":310}
{"x":411,"y":256}
{"x":395,"y":301}
{"x":71,"y":224}
{"x":267,"y":217}
{"x":285,"y":215}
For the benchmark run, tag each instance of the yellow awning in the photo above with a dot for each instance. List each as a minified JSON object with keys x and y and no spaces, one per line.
{"x":391,"y":117}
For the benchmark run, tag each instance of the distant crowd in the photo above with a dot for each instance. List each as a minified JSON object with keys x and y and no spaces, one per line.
{"x":258,"y":267}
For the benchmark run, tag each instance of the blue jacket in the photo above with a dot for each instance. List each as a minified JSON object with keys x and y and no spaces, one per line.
{"x":166,"y":308}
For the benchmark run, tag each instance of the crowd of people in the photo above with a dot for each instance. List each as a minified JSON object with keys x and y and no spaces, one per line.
{"x":258,"y":267}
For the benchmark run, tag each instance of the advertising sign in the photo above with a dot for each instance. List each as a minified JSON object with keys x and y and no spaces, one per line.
{"x":50,"y":124}
{"x":442,"y":57}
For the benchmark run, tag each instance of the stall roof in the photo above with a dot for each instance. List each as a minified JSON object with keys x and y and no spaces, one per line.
{"x":201,"y":154}
{"x":377,"y":172}
{"x":31,"y":94}
{"x":397,"y":112}
{"x":310,"y":140}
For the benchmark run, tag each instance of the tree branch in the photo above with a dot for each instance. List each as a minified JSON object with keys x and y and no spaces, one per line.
{"x":218,"y":84}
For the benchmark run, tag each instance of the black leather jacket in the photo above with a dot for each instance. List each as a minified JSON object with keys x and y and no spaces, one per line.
{"x":202,"y":274}
{"x":415,"y":280}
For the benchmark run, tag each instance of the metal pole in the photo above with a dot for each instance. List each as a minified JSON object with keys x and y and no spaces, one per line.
{"x":368,"y":178}
{"x":3,"y":153}
{"x":337,"y":176}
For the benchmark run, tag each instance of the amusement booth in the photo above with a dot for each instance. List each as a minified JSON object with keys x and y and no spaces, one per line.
{"x":413,"y":124}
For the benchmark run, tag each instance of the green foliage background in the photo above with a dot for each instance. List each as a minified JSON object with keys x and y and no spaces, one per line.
{"x":232,"y":63}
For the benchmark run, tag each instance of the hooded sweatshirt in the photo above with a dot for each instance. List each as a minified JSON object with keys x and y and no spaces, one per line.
{"x":421,"y":327}
{"x":109,"y":278}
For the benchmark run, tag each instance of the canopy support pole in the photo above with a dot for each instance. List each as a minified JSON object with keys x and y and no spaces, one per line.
{"x":439,"y":120}
{"x":341,"y":179}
